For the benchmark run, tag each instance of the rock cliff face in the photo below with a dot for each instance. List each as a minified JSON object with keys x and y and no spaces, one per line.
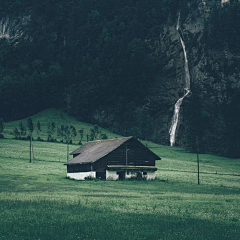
{"x":12,"y":28}
{"x":206,"y":67}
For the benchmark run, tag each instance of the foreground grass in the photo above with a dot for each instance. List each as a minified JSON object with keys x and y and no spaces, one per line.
{"x":38,"y":202}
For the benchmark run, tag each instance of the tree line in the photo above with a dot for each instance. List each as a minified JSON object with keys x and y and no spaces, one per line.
{"x":65,"y":133}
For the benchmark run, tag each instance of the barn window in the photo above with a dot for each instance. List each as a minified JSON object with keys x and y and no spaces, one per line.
{"x":145,"y":173}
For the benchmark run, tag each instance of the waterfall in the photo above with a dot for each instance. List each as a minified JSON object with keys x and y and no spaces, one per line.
{"x":172,"y":130}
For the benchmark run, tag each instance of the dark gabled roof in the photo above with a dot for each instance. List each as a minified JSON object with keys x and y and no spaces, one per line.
{"x":95,"y":150}
{"x":84,"y":147}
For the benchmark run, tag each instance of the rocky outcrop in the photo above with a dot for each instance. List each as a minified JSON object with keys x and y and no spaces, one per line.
{"x":206,"y":67}
{"x":12,"y":28}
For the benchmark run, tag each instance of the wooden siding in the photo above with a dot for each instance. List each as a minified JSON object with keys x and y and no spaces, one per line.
{"x":100,"y":165}
{"x":80,"y":168}
{"x":137,"y":155}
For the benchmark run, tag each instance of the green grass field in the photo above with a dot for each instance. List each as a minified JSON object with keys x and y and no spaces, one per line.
{"x":37,"y":201}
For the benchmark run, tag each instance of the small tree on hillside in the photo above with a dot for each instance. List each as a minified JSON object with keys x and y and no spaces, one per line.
{"x":81,"y":132}
{"x":22,"y":130}
{"x":2,"y":126}
{"x":38,"y":129}
{"x":94,"y":133}
{"x":30,"y":130}
{"x":60,"y":132}
{"x":67,"y":137}
{"x":53,"y":127}
{"x":73,"y":132}
{"x":16,"y":133}
{"x":51,"y":130}
{"x":104,"y":136}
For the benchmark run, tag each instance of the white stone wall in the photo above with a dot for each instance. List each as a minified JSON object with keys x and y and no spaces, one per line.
{"x":81,"y":175}
{"x":151,"y":175}
{"x":130,"y":174}
{"x":111,"y":175}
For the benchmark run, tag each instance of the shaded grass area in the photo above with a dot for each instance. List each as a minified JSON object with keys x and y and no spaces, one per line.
{"x":58,"y":220}
{"x":37,"y":201}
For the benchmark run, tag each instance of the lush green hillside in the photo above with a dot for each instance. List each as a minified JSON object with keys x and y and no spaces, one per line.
{"x":59,"y":118}
{"x":37,"y":201}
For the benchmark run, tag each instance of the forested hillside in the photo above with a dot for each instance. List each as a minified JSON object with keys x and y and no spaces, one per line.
{"x":120,"y":64}
{"x":90,"y":57}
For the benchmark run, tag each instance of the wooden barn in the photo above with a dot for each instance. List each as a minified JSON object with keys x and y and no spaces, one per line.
{"x":113,"y":159}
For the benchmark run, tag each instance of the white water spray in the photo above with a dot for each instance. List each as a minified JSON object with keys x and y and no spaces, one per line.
{"x":172,"y":130}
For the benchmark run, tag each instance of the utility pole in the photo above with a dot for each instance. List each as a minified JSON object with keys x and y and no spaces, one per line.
{"x":30,"y":129}
{"x":67,"y":150}
{"x":197,"y":144}
{"x":126,"y":155}
{"x":30,"y":147}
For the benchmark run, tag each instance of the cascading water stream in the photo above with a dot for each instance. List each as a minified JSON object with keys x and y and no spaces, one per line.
{"x":172,"y":130}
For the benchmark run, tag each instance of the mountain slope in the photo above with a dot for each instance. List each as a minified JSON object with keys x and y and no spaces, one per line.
{"x":121,"y":65}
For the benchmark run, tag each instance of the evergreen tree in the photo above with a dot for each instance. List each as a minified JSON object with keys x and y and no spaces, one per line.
{"x":73,"y":132}
{"x":60,"y":132}
{"x":2,"y":126}
{"x":67,"y":135}
{"x":81,"y":133}
{"x":16,"y":133}
{"x":22,"y":129}
{"x":38,"y":129}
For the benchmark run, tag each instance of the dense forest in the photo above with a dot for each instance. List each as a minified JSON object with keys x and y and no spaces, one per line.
{"x":102,"y":60}
{"x":87,"y":56}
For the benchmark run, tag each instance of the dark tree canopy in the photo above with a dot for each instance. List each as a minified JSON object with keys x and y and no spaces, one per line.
{"x":94,"y":59}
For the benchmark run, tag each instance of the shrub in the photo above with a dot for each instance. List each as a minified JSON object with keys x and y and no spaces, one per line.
{"x":104,"y":136}
{"x":89,"y":178}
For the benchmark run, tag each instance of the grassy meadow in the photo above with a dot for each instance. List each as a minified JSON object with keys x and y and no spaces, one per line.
{"x":59,"y":117}
{"x":37,"y":201}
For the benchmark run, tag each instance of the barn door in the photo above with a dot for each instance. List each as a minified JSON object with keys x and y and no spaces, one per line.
{"x":121,"y":175}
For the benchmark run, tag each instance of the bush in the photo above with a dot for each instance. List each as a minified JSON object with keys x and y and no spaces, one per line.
{"x":104,"y":136}
{"x":89,"y":178}
{"x":23,"y":138}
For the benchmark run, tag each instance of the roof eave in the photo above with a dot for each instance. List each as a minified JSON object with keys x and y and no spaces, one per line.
{"x":77,"y":163}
